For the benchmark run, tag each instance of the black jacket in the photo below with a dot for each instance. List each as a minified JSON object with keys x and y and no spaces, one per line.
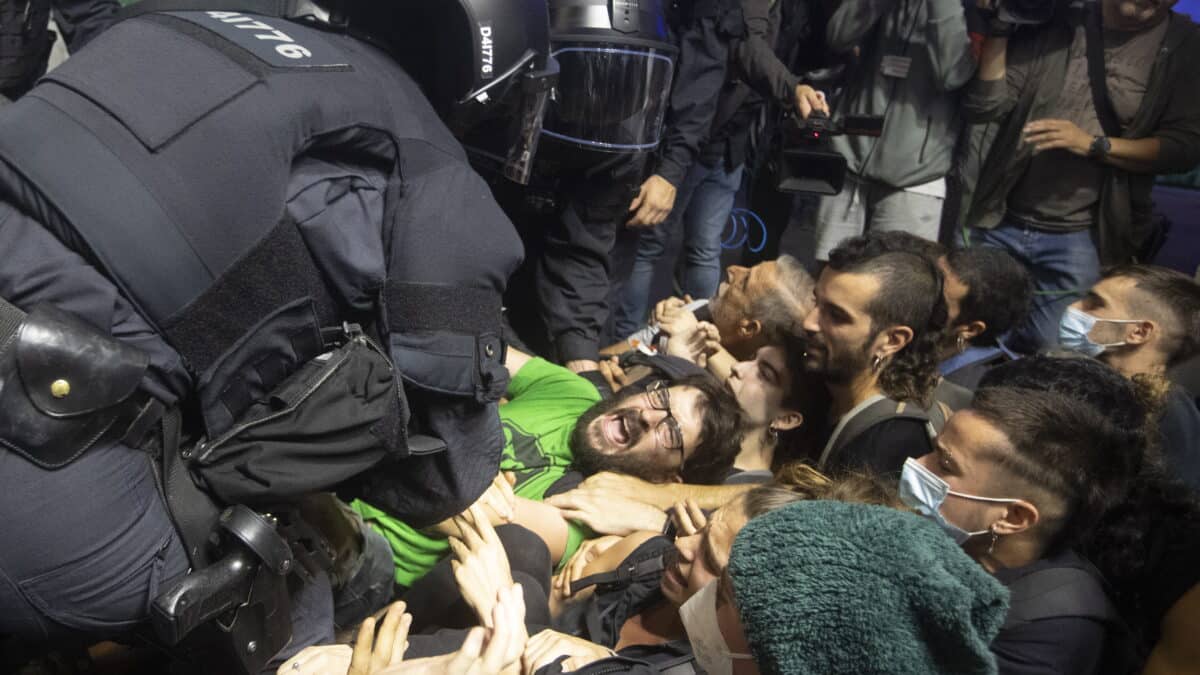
{"x":572,"y":276}
{"x":758,"y":75}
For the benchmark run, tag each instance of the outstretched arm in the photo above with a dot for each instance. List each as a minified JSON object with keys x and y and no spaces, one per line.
{"x":662,"y":496}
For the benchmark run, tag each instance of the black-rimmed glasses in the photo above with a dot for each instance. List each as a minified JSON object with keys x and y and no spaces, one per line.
{"x":667,"y":432}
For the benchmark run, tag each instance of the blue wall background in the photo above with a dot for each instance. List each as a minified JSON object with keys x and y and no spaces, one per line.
{"x":1191,"y":7}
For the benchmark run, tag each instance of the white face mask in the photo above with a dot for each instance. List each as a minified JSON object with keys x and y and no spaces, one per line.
{"x":699,"y":616}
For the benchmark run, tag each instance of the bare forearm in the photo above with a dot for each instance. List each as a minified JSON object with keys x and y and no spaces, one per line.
{"x":616,"y":349}
{"x":992,"y":59}
{"x":546,"y":522}
{"x":706,"y":496}
{"x":1136,"y":155}
{"x":720,"y":364}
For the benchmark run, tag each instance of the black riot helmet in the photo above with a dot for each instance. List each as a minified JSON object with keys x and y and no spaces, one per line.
{"x":484,"y":64}
{"x":616,"y":60}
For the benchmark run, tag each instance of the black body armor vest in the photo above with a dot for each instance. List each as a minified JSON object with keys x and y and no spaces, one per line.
{"x":163,"y":155}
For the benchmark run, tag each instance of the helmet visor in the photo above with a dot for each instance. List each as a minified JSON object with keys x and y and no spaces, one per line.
{"x":519,"y":164}
{"x":610,"y":97}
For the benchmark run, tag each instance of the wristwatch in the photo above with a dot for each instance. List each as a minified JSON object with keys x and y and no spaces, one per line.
{"x":1100,"y":147}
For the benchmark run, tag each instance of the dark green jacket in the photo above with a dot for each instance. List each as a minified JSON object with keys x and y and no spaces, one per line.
{"x":1037,"y":66}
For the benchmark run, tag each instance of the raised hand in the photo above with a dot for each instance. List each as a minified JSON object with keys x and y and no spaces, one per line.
{"x":688,"y":517}
{"x":374,"y":652}
{"x":483,"y":652}
{"x":547,"y":646}
{"x":481,"y":568}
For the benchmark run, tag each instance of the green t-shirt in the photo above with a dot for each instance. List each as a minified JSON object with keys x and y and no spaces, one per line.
{"x":544,"y":402}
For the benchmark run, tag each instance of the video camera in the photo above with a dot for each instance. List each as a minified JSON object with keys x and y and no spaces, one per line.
{"x":806,"y":163}
{"x":1025,"y":12}
{"x":1014,"y":12}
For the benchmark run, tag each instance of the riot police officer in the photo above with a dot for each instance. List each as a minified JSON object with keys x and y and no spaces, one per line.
{"x":235,"y":273}
{"x":635,"y":100}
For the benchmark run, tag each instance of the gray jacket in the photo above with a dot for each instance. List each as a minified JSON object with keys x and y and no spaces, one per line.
{"x":921,"y":112}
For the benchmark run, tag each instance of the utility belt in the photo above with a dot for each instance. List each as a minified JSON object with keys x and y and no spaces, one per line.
{"x":67,"y":388}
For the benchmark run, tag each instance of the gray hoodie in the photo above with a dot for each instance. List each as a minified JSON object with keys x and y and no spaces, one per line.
{"x":921,"y":112}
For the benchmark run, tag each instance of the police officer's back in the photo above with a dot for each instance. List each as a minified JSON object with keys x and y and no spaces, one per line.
{"x":237,"y":212}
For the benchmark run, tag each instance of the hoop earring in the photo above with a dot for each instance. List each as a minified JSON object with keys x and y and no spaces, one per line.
{"x":773,"y":433}
{"x":995,"y":538}
{"x":962,"y":343}
{"x":875,"y":362}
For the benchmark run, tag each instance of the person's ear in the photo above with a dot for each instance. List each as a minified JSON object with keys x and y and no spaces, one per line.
{"x":787,"y":420}
{"x":972,"y":330}
{"x":892,"y":340}
{"x":1019,"y":517}
{"x":748,"y":328}
{"x":1141,"y":332}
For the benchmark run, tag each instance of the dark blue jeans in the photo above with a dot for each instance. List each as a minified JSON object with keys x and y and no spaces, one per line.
{"x":1064,"y":267}
{"x":703,"y":205}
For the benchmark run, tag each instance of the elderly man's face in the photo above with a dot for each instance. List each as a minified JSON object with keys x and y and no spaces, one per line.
{"x":734,"y":304}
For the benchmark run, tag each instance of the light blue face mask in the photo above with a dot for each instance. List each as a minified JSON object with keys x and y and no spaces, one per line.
{"x":925,"y":491}
{"x":1075,"y":327}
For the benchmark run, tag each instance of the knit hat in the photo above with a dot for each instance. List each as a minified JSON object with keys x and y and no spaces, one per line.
{"x":831,"y":587}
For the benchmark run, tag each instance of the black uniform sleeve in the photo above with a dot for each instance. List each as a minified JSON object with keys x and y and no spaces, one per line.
{"x":81,"y":20}
{"x":756,"y":59}
{"x":703,"y":55}
{"x":452,"y":376}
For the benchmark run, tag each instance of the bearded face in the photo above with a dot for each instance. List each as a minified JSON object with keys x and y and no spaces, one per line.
{"x":628,"y":434}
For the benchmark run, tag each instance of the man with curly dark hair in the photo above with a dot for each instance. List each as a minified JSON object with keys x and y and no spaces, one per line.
{"x":987,"y":294}
{"x":873,"y":337}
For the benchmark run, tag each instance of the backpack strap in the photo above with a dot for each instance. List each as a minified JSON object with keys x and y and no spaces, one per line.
{"x":1097,"y":73}
{"x":629,"y":571}
{"x":876,"y":411}
{"x":664,"y":366}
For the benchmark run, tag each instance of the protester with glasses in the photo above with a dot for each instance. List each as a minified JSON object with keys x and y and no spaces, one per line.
{"x":557,"y":430}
